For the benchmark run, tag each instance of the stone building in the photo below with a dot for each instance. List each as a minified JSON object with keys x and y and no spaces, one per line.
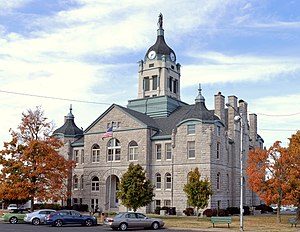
{"x":166,"y":136}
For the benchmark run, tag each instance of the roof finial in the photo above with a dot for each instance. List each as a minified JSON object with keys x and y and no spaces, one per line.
{"x":160,"y":21}
{"x":199,"y":98}
{"x":71,"y":108}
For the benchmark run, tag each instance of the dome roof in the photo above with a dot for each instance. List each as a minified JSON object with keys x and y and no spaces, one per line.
{"x":160,"y":47}
{"x":69,"y":129}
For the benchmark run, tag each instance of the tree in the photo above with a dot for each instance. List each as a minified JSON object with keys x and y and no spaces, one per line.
{"x":294,"y":174}
{"x":269,"y":176}
{"x":31,"y":166}
{"x":135,"y":190}
{"x":197,"y":191}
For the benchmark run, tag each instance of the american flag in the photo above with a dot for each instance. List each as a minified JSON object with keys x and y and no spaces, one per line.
{"x":108,"y":133}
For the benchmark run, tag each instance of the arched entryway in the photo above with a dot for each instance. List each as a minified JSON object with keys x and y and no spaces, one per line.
{"x":111,"y":200}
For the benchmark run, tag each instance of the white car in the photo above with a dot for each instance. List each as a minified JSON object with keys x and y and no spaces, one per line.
{"x":12,"y":206}
{"x":38,"y":217}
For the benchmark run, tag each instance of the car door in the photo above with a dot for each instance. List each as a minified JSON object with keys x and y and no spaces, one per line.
{"x":77,"y":217}
{"x":131,"y":220}
{"x":143,"y":221}
{"x":66,"y":217}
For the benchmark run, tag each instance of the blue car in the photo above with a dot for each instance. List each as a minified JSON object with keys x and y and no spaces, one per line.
{"x":64,"y":217}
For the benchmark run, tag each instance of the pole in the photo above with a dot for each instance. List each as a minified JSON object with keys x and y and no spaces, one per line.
{"x":241,"y":160}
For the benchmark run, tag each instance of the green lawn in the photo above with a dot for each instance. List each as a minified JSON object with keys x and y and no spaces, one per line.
{"x":262,"y":223}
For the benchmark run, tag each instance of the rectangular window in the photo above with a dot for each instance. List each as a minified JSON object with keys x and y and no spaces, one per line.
{"x":157,"y":203}
{"x":191,"y":149}
{"x":158,"y":151}
{"x":151,"y":65}
{"x":154,"y":82}
{"x":118,"y":154}
{"x":191,"y":129}
{"x":170,"y":83}
{"x":76,"y":156}
{"x":168,"y":151}
{"x":96,"y":156}
{"x":82,"y":156}
{"x":218,"y":131}
{"x":133,"y":153}
{"x":146,"y":84}
{"x":167,"y":203}
{"x":175,"y":89}
{"x":218,"y":150}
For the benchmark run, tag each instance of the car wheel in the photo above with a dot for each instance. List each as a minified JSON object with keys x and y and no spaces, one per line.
{"x":88,"y":222}
{"x":36,"y":221}
{"x":123,"y":226}
{"x":155,"y":226}
{"x":58,"y":223}
{"x":13,"y":220}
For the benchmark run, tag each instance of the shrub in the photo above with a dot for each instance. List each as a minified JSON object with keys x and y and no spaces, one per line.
{"x":264,"y":208}
{"x":188,"y":211}
{"x":210,"y":212}
{"x":157,"y":210}
{"x":233,"y":210}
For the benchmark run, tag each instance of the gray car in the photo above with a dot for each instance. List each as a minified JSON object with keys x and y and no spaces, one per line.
{"x":123,"y":221}
{"x":38,"y":217}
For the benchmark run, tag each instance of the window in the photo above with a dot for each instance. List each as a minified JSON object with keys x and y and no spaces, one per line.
{"x":157,"y":203}
{"x":81,"y":182}
{"x":168,"y":151}
{"x":218,"y":131}
{"x":167,"y":203}
{"x":94,"y":203}
{"x":95,"y":153}
{"x":191,"y":149}
{"x":170,"y":83}
{"x":95,"y":184}
{"x":158,"y":151}
{"x":151,"y":65}
{"x":191,"y":129}
{"x":154,"y":82}
{"x":218,"y":180}
{"x":113,"y":150}
{"x":76,"y":156}
{"x":133,"y":150}
{"x":75,"y":182}
{"x":175,"y":89}
{"x":146,"y":84}
{"x":168,"y":181}
{"x":158,"y":181}
{"x":218,"y":150}
{"x":82,"y":156}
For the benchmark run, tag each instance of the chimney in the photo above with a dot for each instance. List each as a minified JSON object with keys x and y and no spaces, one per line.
{"x":219,"y":106}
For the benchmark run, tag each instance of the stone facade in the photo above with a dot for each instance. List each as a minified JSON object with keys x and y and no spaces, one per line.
{"x":167,"y":137}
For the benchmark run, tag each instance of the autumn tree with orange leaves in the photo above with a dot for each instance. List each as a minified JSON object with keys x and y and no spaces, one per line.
{"x":274,"y":173}
{"x":31,"y":166}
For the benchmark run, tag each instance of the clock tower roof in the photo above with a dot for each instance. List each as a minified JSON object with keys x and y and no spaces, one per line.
{"x":160,"y":47}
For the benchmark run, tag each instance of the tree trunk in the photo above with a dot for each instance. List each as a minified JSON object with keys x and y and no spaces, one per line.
{"x":278,"y":213}
{"x":31,"y":204}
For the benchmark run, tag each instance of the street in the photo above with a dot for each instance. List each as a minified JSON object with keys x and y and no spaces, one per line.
{"x":6,"y":227}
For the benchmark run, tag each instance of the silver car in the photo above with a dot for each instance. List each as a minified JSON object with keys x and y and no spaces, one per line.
{"x":123,"y":221}
{"x":38,"y":217}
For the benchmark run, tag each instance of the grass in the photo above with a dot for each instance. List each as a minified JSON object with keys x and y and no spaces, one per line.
{"x":261,"y":223}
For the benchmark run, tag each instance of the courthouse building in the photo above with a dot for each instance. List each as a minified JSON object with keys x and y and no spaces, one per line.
{"x":166,"y":136}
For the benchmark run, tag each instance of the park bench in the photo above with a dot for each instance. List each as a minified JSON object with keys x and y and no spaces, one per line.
{"x":293,"y":221}
{"x":219,"y":220}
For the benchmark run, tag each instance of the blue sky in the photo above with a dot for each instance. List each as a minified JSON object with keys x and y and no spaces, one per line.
{"x":88,"y":50}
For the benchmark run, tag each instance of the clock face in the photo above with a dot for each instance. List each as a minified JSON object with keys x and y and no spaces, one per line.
{"x":172,"y":56}
{"x":151,"y":55}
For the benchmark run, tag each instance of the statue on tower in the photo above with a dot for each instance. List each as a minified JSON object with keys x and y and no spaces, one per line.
{"x":160,"y":21}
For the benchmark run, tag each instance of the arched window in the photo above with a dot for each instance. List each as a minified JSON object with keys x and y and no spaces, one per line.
{"x":81,"y":182}
{"x":132,"y":151}
{"x":75,"y":182}
{"x":113,"y":150}
{"x":95,"y":184}
{"x":218,"y":180}
{"x":168,"y":181}
{"x":95,"y":153}
{"x":158,"y":181}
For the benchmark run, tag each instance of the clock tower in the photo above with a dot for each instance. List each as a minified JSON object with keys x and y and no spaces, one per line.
{"x":159,"y":75}
{"x":159,"y":79}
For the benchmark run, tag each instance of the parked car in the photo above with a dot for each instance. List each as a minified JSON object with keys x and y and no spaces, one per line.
{"x":38,"y":217}
{"x":63,"y":217}
{"x":12,"y":206}
{"x":15,"y":216}
{"x":123,"y":221}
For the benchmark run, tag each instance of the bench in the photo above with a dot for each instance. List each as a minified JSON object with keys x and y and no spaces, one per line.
{"x":219,"y":220}
{"x":293,"y":221}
